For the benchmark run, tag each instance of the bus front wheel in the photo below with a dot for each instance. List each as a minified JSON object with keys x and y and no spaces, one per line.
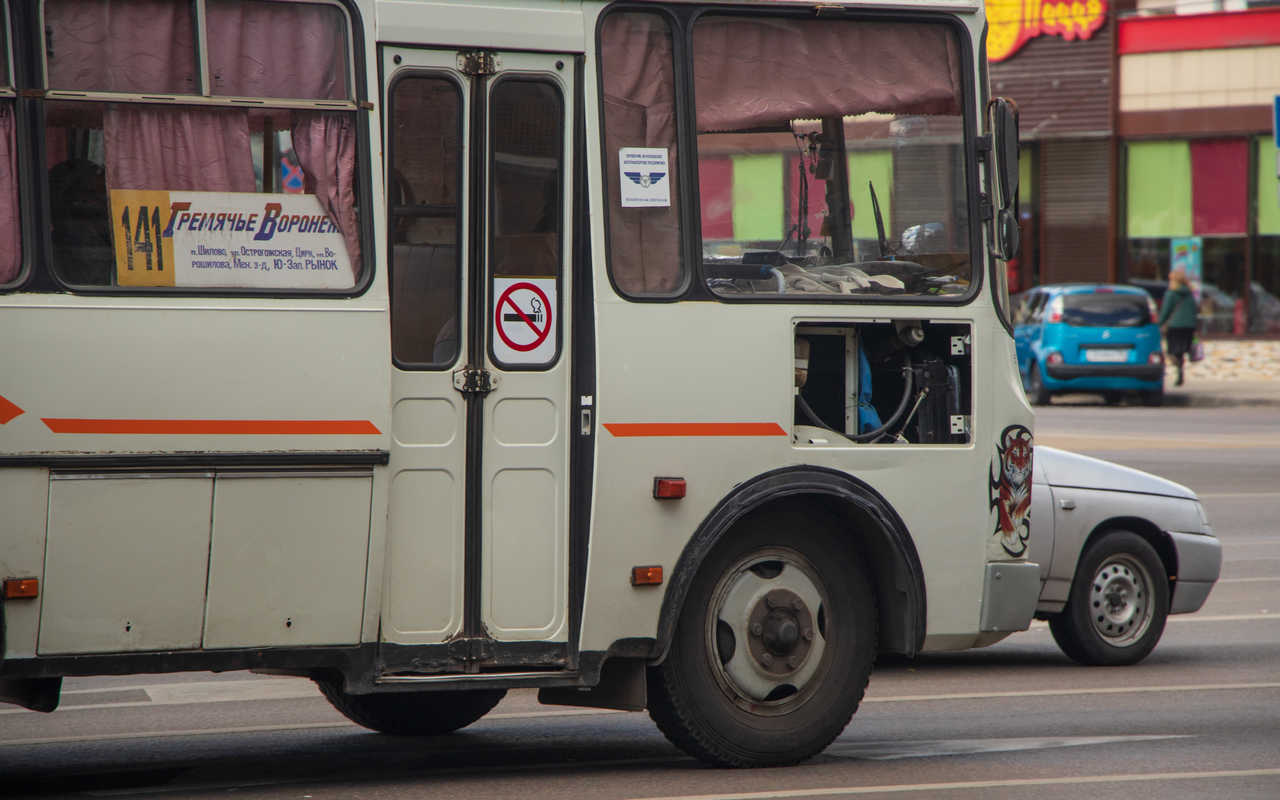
{"x":773,"y":648}
{"x":412,"y":713}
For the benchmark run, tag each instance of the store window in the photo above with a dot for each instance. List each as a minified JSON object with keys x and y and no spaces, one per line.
{"x":1188,"y":209}
{"x":159,"y":179}
{"x":1264,"y":294}
{"x":10,"y":230}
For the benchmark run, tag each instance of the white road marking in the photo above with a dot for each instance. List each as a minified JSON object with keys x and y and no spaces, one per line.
{"x":901,"y":788}
{"x":1233,"y":495}
{"x":1222,"y":617}
{"x":1202,"y":687}
{"x":111,"y":737}
{"x":893,"y":751}
{"x":300,"y":726}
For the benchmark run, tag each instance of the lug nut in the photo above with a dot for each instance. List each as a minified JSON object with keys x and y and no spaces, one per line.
{"x":797,"y":604}
{"x":766,"y":659}
{"x":808,"y":634}
{"x":756,"y":629}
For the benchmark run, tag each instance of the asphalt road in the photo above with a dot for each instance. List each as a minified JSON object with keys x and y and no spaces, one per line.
{"x":1198,"y":718}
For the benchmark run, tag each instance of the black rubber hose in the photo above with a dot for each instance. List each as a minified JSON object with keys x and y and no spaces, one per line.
{"x":908,"y":378}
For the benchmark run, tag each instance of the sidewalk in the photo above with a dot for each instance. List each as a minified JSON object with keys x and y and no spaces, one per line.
{"x":1233,"y":373}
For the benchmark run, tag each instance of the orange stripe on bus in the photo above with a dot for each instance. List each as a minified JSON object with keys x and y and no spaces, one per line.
{"x":217,"y":427}
{"x":695,"y":429}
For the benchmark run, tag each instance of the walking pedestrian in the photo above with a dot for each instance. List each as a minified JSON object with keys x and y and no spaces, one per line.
{"x":1178,"y":319}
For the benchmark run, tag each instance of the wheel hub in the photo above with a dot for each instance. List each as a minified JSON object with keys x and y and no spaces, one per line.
{"x":781,"y":628}
{"x":1120,"y":605}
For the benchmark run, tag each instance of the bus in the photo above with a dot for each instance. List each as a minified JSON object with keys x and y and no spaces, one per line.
{"x":646,"y":354}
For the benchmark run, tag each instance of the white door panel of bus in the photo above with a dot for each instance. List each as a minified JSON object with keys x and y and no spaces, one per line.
{"x":478,"y":219}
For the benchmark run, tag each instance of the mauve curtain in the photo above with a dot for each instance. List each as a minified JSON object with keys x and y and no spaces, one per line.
{"x":192,"y":149}
{"x":143,"y":46}
{"x":10,"y":241}
{"x":326,"y":149}
{"x":1219,"y":186}
{"x":763,"y":73}
{"x":639,"y":89}
{"x":295,"y":50}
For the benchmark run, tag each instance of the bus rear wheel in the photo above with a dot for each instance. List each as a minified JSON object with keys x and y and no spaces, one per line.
{"x":412,"y":713}
{"x":773,"y":648}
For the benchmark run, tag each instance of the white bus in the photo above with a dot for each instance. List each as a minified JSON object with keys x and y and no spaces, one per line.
{"x":648,"y":354}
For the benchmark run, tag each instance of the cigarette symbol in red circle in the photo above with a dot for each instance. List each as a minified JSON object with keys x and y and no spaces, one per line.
{"x":508,"y":313}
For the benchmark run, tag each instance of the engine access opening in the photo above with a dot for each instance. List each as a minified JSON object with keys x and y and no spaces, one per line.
{"x":904,"y":381}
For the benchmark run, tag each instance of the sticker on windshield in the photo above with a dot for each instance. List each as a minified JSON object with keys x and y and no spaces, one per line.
{"x":644,"y":177}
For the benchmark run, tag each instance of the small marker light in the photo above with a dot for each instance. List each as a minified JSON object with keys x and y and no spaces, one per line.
{"x":646,"y":576}
{"x":21,"y":588}
{"x":668,"y":488}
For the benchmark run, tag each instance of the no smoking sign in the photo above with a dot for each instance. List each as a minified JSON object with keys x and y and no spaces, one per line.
{"x":524,"y":324}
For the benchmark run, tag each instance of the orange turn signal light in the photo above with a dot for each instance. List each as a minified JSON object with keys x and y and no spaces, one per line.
{"x":668,"y":488}
{"x":646,"y":576}
{"x":21,"y":588}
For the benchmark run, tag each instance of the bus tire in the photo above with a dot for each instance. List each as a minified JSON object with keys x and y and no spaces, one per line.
{"x":1118,"y":604}
{"x":773,"y":647}
{"x":412,"y":713}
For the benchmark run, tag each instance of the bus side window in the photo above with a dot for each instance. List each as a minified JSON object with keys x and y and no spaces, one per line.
{"x":426,"y":147}
{"x":123,"y":166}
{"x":10,"y":231}
{"x":639,"y":111}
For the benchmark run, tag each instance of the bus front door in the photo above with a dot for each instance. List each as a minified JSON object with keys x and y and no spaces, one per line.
{"x":478,"y":197}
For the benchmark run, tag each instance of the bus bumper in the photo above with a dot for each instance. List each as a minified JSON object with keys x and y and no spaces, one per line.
{"x":1009,"y":595}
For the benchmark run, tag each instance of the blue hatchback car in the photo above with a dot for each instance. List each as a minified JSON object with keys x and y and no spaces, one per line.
{"x":1089,"y":337}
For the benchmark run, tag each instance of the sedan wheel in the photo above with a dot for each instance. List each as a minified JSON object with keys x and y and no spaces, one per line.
{"x":1118,"y":605}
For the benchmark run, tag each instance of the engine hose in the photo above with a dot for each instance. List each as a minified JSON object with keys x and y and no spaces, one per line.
{"x":908,"y":380}
{"x":809,"y":413}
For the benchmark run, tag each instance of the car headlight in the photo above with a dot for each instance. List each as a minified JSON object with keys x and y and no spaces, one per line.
{"x":1204,"y":518}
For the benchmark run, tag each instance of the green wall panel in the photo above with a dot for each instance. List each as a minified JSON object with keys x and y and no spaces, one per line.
{"x":1268,"y":188}
{"x":1159,"y":190}
{"x":876,"y":166}
{"x":757,"y":197}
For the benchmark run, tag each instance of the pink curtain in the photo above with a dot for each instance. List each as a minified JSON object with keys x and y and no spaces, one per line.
{"x":10,"y":233}
{"x":1219,"y":186}
{"x":112,"y":46}
{"x":762,"y":73}
{"x":259,"y":49}
{"x":326,"y":149}
{"x":193,"y":149}
{"x":639,"y":89}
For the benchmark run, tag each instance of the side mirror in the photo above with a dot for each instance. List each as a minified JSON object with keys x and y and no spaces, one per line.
{"x":1002,"y":117}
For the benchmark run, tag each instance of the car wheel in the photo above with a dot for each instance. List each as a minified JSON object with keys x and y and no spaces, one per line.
{"x":412,"y":713}
{"x":1036,"y":391}
{"x":1112,"y":398}
{"x":1153,"y":398}
{"x":773,"y":648}
{"x":1118,"y":604}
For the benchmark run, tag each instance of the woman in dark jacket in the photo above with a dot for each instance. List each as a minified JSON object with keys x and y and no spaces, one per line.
{"x":1178,"y":318}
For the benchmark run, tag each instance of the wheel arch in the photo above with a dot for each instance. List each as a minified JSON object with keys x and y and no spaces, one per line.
{"x":870,"y":522}
{"x":1149,"y":531}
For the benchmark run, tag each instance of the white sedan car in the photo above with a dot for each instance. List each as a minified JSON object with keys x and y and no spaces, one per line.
{"x":1119,"y":550}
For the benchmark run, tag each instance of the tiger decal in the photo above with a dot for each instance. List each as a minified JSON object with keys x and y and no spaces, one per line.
{"x":1011,"y":489}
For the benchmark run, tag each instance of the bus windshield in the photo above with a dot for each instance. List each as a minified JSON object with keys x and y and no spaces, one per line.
{"x":830,"y":157}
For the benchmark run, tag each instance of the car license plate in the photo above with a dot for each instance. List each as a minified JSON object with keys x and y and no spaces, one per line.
{"x":1106,"y":355}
